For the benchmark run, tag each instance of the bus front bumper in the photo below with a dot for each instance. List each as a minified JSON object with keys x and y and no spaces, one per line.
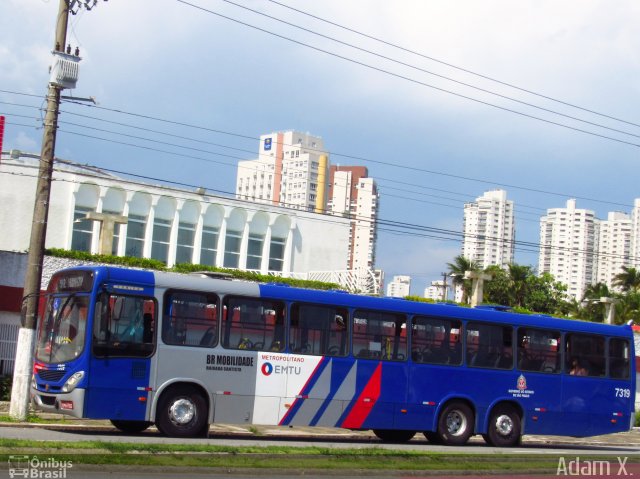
{"x":71,"y":404}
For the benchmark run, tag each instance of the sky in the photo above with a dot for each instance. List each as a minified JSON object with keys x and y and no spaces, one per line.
{"x":428,"y":120}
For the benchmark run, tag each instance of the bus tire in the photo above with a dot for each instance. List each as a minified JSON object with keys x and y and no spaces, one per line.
{"x":432,"y":437}
{"x":391,"y":435}
{"x":455,"y":424}
{"x":131,"y":427}
{"x":182,"y":412}
{"x":505,"y":427}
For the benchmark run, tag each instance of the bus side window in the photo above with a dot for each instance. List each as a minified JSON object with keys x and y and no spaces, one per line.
{"x":379,"y":335}
{"x":436,"y":341}
{"x":584,"y":354}
{"x":253,"y":324}
{"x":190,"y":319}
{"x":619,"y":360}
{"x":318,"y":330}
{"x":538,"y":350}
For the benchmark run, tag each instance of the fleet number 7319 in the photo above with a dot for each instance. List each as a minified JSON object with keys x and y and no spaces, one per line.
{"x":623,"y":393}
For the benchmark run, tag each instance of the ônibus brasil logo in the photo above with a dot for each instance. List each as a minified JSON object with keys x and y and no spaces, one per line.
{"x":267,"y":369}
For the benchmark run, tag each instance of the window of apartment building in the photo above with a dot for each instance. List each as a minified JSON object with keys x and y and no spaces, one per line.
{"x":209,"y":245}
{"x":160,"y":241}
{"x":233,"y":241}
{"x":82,"y":230}
{"x":136,"y":227}
{"x":186,"y":236}
{"x":254,"y":251}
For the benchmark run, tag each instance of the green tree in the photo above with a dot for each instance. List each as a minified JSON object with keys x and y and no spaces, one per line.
{"x":519,"y":283}
{"x":544,"y":294}
{"x":457,"y":269}
{"x":498,"y":290}
{"x":628,"y":280}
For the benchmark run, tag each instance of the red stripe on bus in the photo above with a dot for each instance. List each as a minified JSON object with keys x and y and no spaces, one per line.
{"x":365,"y":402}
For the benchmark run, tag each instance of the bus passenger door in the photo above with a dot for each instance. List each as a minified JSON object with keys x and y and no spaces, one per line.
{"x":119,"y":369}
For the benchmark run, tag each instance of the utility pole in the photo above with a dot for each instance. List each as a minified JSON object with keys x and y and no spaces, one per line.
{"x":33,"y":277}
{"x":64,"y":75}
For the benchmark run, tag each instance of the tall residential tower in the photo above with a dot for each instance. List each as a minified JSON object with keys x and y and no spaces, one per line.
{"x":489,"y":230}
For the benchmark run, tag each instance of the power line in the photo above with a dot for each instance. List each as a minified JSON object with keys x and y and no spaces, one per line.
{"x":422,"y":55}
{"x":333,"y":153}
{"x":408,"y":229}
{"x":403,"y":77}
{"x":414,"y":67}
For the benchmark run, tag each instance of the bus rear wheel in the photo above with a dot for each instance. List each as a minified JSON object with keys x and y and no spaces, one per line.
{"x":455,"y":424}
{"x":504,"y":427}
{"x":390,"y":435}
{"x":182,"y":412}
{"x":432,"y":437}
{"x":131,"y":427}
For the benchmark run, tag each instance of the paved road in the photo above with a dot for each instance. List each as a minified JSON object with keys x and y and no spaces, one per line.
{"x":627,"y":444}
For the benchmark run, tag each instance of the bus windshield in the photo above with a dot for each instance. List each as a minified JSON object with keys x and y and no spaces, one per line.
{"x":61,"y":332}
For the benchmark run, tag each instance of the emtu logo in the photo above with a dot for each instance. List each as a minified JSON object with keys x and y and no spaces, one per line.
{"x":267,"y":369}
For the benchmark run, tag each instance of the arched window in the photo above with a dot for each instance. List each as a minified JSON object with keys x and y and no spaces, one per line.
{"x":187,"y":232}
{"x":210,"y":235}
{"x":86,"y":200}
{"x":279,"y":233}
{"x":137,"y":224}
{"x":162,"y":221}
{"x":113,"y":204}
{"x":257,"y":232}
{"x":233,"y":238}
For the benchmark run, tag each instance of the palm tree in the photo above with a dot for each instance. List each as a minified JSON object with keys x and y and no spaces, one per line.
{"x":628,"y":280}
{"x":518,"y":275}
{"x":457,"y":269}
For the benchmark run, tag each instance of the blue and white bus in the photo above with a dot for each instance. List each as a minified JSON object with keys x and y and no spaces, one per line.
{"x":185,"y":351}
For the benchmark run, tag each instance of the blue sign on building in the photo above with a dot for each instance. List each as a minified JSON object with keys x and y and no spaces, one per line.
{"x":267,"y":144}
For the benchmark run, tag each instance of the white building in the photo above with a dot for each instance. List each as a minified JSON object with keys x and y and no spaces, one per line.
{"x":399,"y":287}
{"x":635,"y":234}
{"x":354,"y":195}
{"x":436,"y":291}
{"x":291,"y":170}
{"x":168,"y":224}
{"x":568,"y":239}
{"x":489,"y":230}
{"x":613,"y":247}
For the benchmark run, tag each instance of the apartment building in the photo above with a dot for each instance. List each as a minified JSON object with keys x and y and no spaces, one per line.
{"x":399,"y":287}
{"x":613,"y":248}
{"x":489,"y":230}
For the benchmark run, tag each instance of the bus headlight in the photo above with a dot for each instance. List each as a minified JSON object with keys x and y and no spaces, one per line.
{"x":72,"y":382}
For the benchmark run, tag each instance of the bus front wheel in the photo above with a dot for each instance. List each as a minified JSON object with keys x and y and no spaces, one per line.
{"x":390,"y":435}
{"x":455,"y":424}
{"x":504,"y":427}
{"x":182,"y":412}
{"x":131,"y":427}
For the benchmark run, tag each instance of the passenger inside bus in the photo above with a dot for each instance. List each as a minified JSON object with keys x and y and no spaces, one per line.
{"x":577,"y":368}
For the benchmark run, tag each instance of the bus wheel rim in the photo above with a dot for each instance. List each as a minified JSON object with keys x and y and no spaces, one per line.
{"x":456,"y":423}
{"x":504,"y":425}
{"x":182,"y":412}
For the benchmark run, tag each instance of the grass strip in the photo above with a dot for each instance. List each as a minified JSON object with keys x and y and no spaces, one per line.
{"x":273,"y":457}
